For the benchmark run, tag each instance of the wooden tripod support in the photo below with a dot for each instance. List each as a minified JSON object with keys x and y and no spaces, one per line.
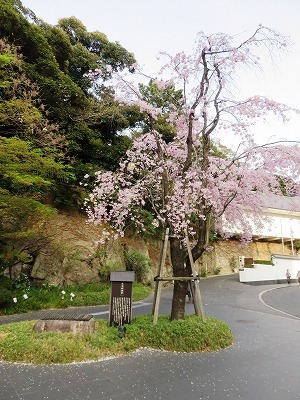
{"x":160,"y":273}
{"x":160,"y":278}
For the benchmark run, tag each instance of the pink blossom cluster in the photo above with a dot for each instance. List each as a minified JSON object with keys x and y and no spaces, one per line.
{"x":186,"y":181}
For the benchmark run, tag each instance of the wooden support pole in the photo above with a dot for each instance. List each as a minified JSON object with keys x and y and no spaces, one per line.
{"x":196,"y":292}
{"x":160,"y":273}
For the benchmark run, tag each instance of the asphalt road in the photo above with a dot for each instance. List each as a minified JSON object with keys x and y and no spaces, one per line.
{"x":263,"y":363}
{"x":284,"y":298}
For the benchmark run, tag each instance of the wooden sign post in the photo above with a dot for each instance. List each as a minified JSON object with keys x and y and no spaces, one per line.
{"x":120,"y":308}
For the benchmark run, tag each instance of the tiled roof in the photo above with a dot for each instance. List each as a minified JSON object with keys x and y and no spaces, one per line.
{"x":282,"y":202}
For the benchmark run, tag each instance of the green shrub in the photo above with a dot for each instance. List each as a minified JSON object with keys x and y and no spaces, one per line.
{"x":217,"y":270}
{"x":45,"y":296}
{"x":5,"y":283}
{"x":188,"y":335}
{"x":5,"y":297}
{"x":139,"y":263}
{"x":22,"y":283}
{"x":5,"y":291}
{"x":264,"y":262}
{"x":105,"y":271}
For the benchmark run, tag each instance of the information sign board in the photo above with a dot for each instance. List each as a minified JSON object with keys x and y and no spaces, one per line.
{"x":120,"y":310}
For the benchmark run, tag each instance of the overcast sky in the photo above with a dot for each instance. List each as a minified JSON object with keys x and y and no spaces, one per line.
{"x":148,"y":27}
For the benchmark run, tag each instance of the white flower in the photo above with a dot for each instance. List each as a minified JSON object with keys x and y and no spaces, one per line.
{"x":131,"y":167}
{"x":72,"y":295}
{"x":25,"y":296}
{"x":63,"y":292}
{"x":15,"y":299}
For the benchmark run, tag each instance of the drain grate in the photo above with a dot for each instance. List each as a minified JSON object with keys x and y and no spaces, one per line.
{"x":246,"y":321}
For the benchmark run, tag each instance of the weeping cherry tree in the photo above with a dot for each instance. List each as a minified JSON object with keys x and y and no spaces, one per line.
{"x":185,"y":183}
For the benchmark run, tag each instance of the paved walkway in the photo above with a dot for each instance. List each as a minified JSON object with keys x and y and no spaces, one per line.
{"x":263,"y":363}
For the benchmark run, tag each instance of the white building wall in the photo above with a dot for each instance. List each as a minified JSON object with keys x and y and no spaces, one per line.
{"x":276,"y":272}
{"x":275,"y":224}
{"x":280,"y":226}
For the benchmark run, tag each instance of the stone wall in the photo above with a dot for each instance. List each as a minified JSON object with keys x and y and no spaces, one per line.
{"x":69,"y":254}
{"x":225,"y":254}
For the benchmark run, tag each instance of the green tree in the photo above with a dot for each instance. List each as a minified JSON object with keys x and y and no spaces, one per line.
{"x":168,"y":100}
{"x":102,"y":52}
{"x":21,"y":111}
{"x":58,"y":60}
{"x":80,"y":120}
{"x":26,"y":178}
{"x":61,"y":96}
{"x":30,"y":157}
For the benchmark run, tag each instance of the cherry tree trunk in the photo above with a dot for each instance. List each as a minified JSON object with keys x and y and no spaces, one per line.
{"x":178,"y":257}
